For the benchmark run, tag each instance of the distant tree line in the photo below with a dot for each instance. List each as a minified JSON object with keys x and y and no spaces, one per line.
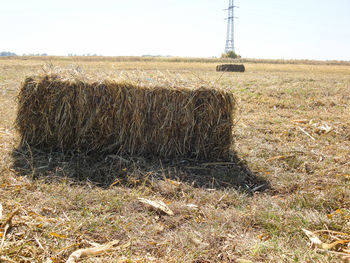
{"x":35,"y":55}
{"x":11,"y":54}
{"x":83,"y":55}
{"x":7,"y":54}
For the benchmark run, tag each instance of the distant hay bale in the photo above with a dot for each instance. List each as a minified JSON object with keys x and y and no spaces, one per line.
{"x":70,"y":114}
{"x":231,"y":68}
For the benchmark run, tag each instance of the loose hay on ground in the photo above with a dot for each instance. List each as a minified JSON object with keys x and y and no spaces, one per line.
{"x":75,"y":113}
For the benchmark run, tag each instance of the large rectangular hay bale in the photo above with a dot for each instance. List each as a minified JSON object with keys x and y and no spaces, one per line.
{"x":231,"y":68}
{"x":107,"y":116}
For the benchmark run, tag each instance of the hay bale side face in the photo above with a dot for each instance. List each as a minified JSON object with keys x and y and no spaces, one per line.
{"x":112,"y":117}
{"x":230,"y":68}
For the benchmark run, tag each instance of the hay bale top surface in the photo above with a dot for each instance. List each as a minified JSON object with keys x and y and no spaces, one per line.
{"x":136,"y":78}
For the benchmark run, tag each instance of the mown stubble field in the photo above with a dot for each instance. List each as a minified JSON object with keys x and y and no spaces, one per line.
{"x":292,"y":144}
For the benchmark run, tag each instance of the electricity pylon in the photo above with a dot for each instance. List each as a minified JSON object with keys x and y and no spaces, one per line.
{"x":230,"y":44}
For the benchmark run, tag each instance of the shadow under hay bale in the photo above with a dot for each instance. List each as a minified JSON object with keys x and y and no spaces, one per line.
{"x":70,"y":114}
{"x":105,"y":171}
{"x":230,"y":68}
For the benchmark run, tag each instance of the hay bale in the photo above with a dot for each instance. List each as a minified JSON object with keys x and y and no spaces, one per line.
{"x":60,"y":113}
{"x":230,"y":68}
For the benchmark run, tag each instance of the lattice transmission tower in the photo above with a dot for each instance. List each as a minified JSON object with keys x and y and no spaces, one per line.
{"x":230,"y":44}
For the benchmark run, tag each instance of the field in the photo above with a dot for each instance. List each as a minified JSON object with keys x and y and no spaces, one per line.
{"x":291,"y":171}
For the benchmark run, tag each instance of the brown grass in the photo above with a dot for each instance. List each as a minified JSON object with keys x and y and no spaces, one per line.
{"x":291,"y":172}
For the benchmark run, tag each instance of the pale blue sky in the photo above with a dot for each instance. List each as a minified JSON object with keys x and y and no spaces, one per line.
{"x":299,"y":29}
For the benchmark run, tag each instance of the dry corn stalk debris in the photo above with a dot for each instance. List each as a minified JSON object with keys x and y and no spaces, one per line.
{"x":279,"y":157}
{"x":24,"y":220}
{"x":61,"y":112}
{"x":318,"y":128}
{"x":338,"y":245}
{"x":158,"y":205}
{"x":6,"y":226}
{"x":6,"y":259}
{"x":93,"y":251}
{"x":306,"y":133}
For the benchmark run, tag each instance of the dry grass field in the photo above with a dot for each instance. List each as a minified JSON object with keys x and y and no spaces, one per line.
{"x":291,"y":171}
